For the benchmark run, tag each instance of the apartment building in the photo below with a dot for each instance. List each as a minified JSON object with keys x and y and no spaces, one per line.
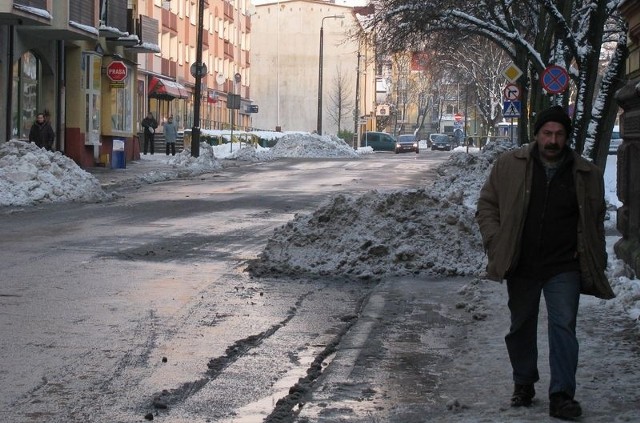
{"x":290,"y":82}
{"x":96,"y":67}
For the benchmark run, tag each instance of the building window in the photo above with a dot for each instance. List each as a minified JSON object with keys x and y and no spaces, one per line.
{"x":26,"y":94}
{"x":122,"y":106}
{"x":92,"y":86}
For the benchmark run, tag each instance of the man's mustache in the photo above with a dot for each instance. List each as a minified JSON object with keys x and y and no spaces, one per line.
{"x":552,"y":147}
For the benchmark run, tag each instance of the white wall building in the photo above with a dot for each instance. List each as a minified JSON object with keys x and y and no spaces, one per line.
{"x":285,"y":64}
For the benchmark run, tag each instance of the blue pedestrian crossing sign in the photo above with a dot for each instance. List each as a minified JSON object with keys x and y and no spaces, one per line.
{"x":511,"y":109}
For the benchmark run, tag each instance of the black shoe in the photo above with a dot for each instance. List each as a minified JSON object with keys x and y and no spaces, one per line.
{"x":522,"y":395}
{"x":562,"y":406}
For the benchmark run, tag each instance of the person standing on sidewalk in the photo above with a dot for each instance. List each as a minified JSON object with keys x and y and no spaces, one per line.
{"x":170,"y":135}
{"x":41,"y":133}
{"x":149,"y":124}
{"x":541,"y":216}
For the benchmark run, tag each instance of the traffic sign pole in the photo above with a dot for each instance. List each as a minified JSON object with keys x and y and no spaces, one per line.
{"x":555,"y":79}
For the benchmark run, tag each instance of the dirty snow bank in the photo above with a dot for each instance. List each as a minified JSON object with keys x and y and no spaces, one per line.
{"x":312,"y":145}
{"x":31,"y":175}
{"x":294,"y":145}
{"x":378,"y":234}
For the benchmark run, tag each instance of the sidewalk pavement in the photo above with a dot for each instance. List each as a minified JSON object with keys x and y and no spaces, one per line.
{"x":133,"y":171}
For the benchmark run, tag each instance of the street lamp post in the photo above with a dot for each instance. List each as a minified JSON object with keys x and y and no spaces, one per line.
{"x":199,"y":70}
{"x":319,"y":123}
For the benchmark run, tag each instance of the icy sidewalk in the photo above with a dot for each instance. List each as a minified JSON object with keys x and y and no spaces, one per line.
{"x":433,"y":350}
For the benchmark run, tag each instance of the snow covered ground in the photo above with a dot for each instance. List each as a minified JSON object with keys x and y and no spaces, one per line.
{"x":427,"y":230}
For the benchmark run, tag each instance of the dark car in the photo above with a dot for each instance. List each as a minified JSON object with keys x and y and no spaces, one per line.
{"x":406,"y":142}
{"x":378,"y":141}
{"x":440,"y":142}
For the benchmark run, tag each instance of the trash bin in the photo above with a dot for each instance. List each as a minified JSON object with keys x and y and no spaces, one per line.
{"x":117,"y":156}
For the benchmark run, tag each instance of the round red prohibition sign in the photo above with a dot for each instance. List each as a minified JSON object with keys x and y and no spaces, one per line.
{"x":555,"y":79}
{"x":117,"y":71}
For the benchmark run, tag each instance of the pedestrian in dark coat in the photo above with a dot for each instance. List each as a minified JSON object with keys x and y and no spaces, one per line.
{"x":149,"y":124}
{"x":41,"y":133}
{"x":170,"y":135}
{"x":541,"y":217}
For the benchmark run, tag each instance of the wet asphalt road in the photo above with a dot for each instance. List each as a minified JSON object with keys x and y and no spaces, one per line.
{"x":139,"y":307}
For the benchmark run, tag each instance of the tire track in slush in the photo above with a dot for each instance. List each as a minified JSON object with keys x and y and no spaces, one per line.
{"x":168,"y":398}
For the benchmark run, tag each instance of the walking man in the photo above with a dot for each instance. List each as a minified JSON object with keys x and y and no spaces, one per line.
{"x":149,"y":124}
{"x":541,"y":216}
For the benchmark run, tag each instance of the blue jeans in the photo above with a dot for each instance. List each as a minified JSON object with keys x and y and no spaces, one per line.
{"x":562,"y":296}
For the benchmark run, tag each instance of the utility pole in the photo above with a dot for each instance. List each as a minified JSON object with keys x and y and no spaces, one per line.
{"x":356,"y":113}
{"x":319,"y":120}
{"x":199,"y":71}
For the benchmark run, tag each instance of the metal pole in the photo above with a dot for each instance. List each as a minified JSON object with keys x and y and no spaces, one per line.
{"x":356,"y":113}
{"x":277,"y":128}
{"x":319,"y":121}
{"x":195,"y":130}
{"x":466,"y":110}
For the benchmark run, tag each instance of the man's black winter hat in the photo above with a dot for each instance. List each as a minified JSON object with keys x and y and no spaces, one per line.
{"x":553,"y":114}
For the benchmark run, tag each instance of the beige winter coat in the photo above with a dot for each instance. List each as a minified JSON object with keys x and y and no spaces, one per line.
{"x":501,"y":213}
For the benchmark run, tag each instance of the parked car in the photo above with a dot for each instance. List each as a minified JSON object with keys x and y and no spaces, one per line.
{"x":378,"y":141}
{"x":406,"y":142}
{"x":440,"y":142}
{"x":616,"y":140}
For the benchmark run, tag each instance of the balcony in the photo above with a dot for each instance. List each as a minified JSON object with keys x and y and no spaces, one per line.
{"x":228,"y":11}
{"x":113,"y":19}
{"x":25,"y":12}
{"x":228,"y":50}
{"x":72,"y":20}
{"x":168,"y":68}
{"x":145,"y":31}
{"x":169,"y":20}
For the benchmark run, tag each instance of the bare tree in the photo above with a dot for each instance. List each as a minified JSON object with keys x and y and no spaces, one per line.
{"x":401,"y":62}
{"x":341,"y":98}
{"x":534,"y":34}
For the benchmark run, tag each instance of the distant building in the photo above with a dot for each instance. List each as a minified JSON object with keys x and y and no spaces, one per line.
{"x":285,"y":56}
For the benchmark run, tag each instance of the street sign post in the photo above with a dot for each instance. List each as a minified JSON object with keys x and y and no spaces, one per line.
{"x":117,"y":71}
{"x":511,"y":92}
{"x":198,"y":69}
{"x":512,"y":73}
{"x":555,"y":79}
{"x":511,"y":109}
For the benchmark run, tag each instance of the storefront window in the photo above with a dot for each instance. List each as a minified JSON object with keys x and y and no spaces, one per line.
{"x":92,"y":85}
{"x":26,"y":94}
{"x":122,"y":106}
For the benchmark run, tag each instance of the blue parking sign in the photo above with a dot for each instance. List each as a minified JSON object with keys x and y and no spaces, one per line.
{"x":511,"y":109}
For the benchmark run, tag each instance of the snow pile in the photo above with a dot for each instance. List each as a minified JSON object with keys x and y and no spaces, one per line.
{"x":312,"y":145}
{"x":243,"y":153}
{"x":182,"y":165}
{"x":189,"y":165}
{"x":461,"y":177}
{"x":288,"y":145}
{"x":31,"y":175}
{"x":389,"y":234}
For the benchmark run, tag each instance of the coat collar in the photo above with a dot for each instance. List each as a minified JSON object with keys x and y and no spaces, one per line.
{"x":579,"y":163}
